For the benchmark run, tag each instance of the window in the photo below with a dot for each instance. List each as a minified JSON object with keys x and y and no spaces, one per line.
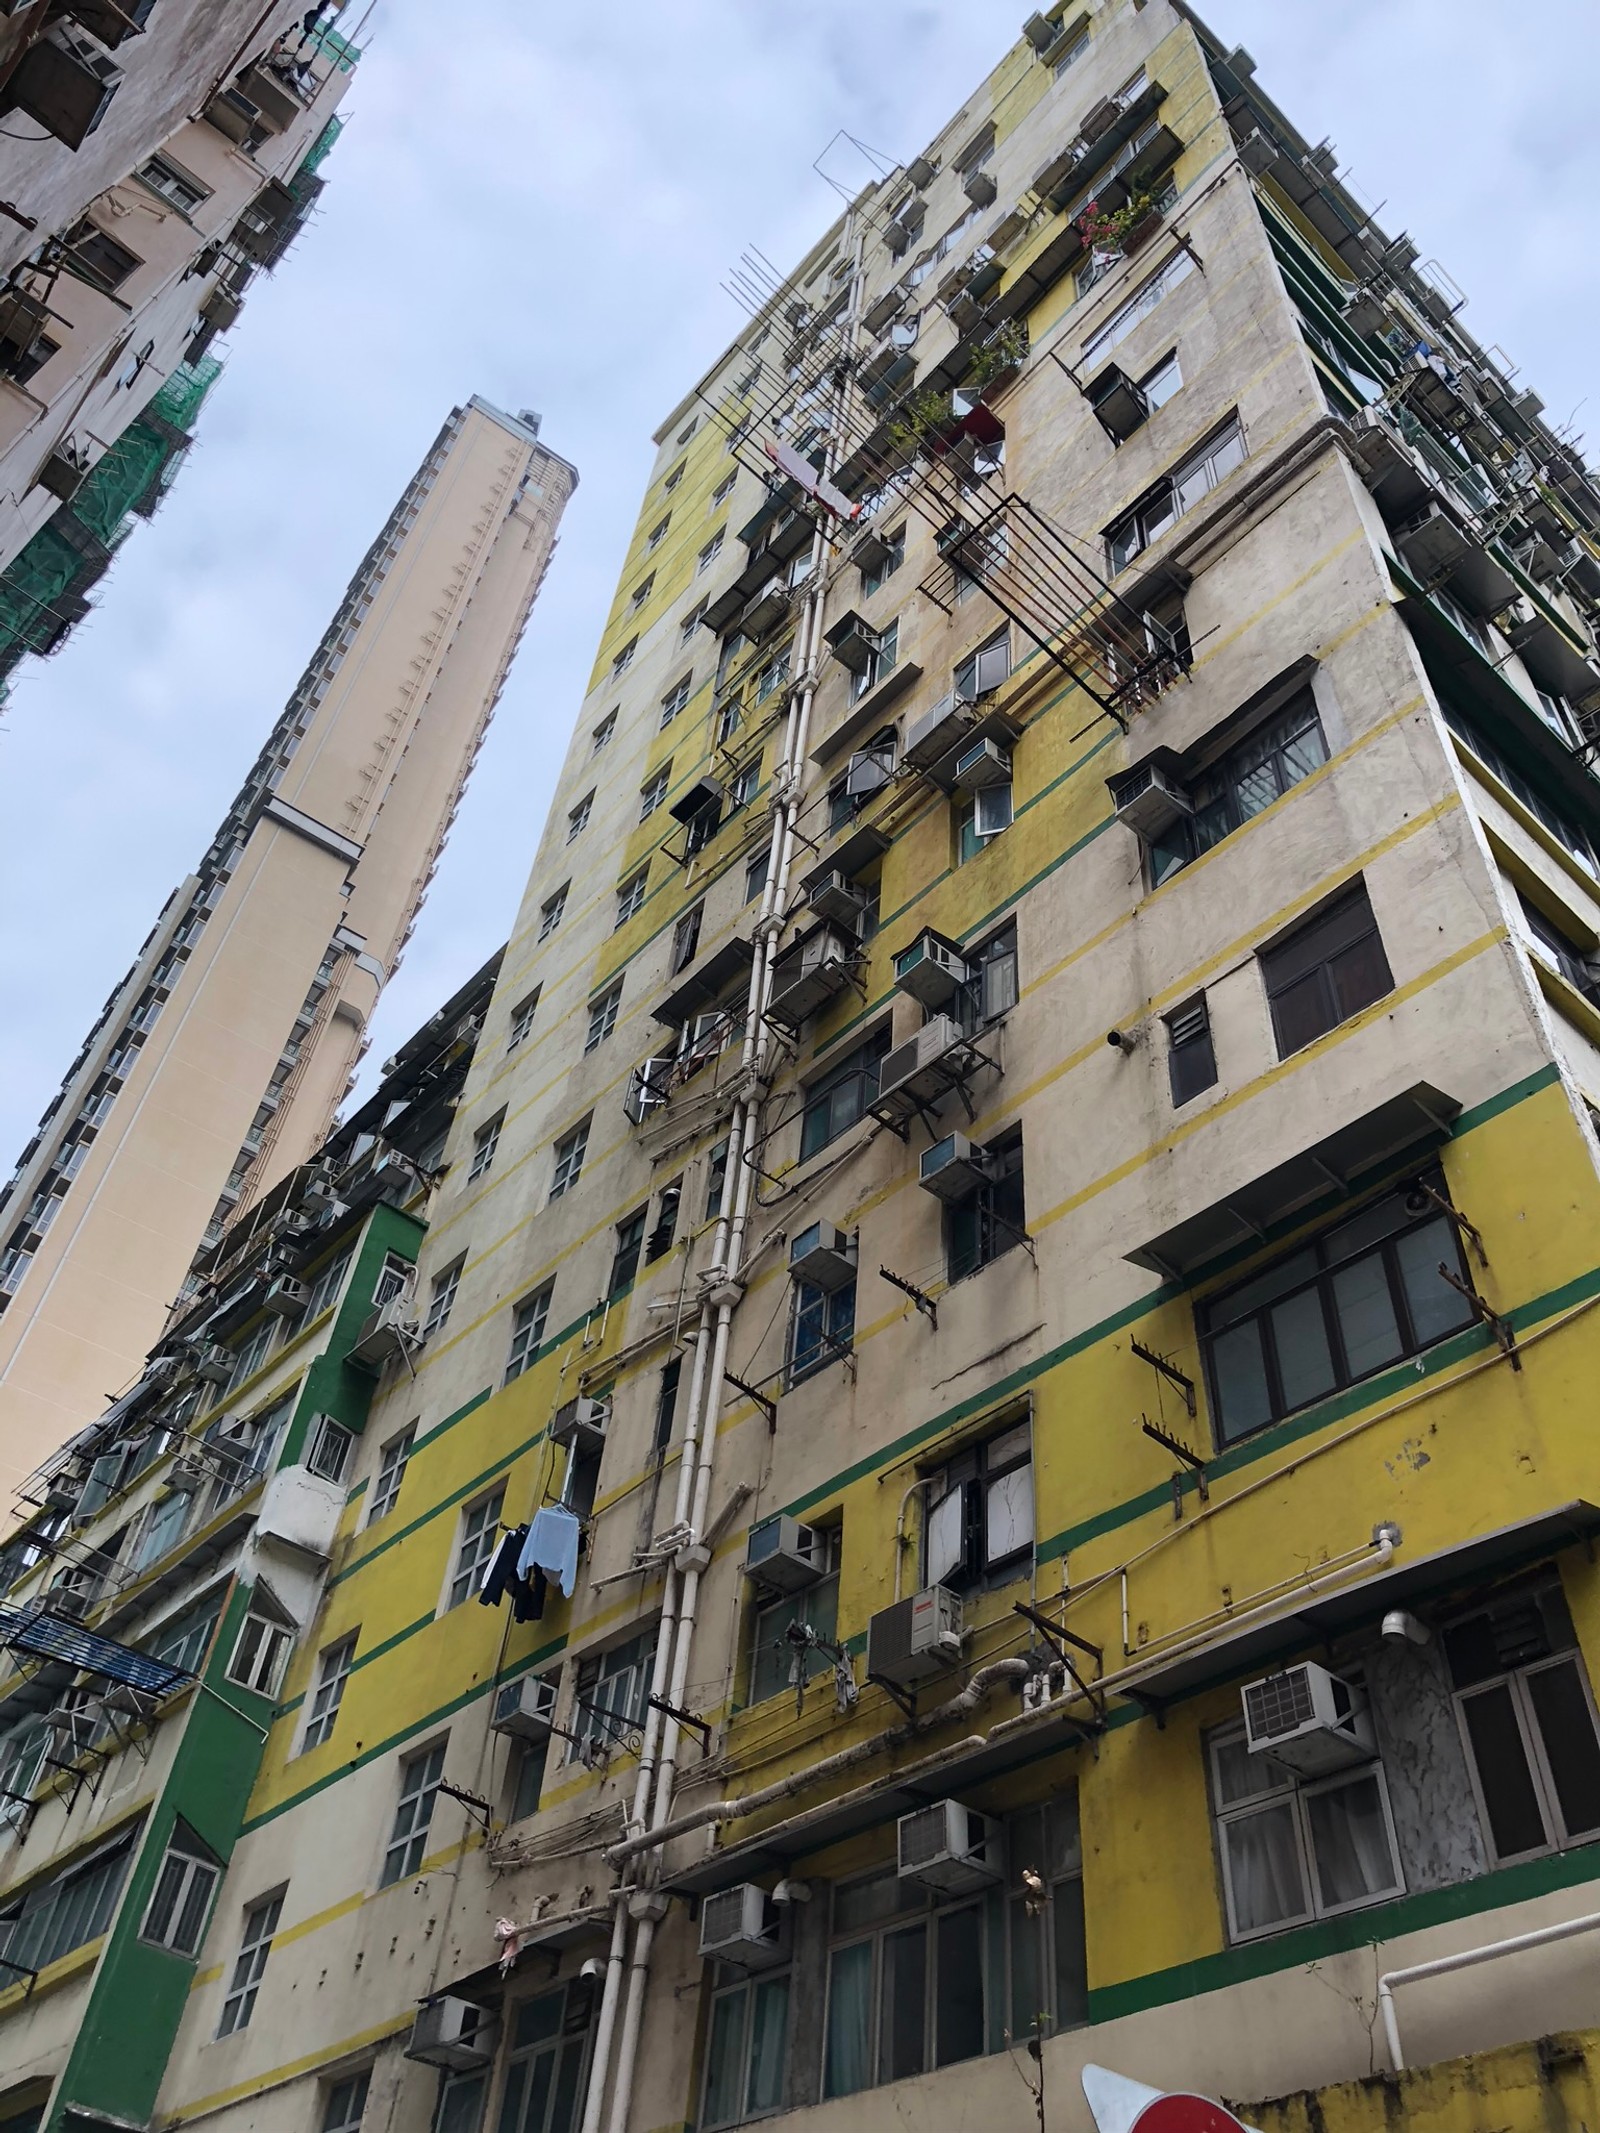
{"x":747,"y":2049}
{"x":630,"y":896}
{"x":1253,"y":774}
{"x":1558,"y":715}
{"x":609,"y":1698}
{"x":603,"y":734}
{"x":716,"y":1179}
{"x":1470,"y":625}
{"x":978,"y":1516}
{"x":106,"y":263}
{"x":658,"y":532}
{"x":461,"y":2101}
{"x":176,"y":1918}
{"x":654,"y":791}
{"x":528,"y":1322}
{"x":330,"y":1449}
{"x":722,"y":491}
{"x":772,"y":673}
{"x":1159,"y":385}
{"x":894,"y":554}
{"x":550,"y":911}
{"x":1294,"y":1849}
{"x":1528,"y":1720}
{"x":675,"y":699}
{"x":522,"y":1019}
{"x":1555,"y":950}
{"x":624,"y":658}
{"x":990,"y":1221}
{"x":333,"y":1671}
{"x":1074,"y":52}
{"x":260,"y":1923}
{"x":688,"y":429}
{"x":905,"y":1984}
{"x":603,"y":1016}
{"x":545,"y":2065}
{"x":755,"y":875}
{"x":392,"y":1465}
{"x":484,"y":1143}
{"x":659,"y":1242}
{"x":327,"y":1285}
{"x":441,"y":1299}
{"x":780,"y":1660}
{"x":625,"y":1259}
{"x":666,"y":1404}
{"x":530,"y":1779}
{"x":1560,"y":826}
{"x":1191,"y":1055}
{"x":672,"y":480}
{"x":1363,"y":1295}
{"x":1325,"y":972}
{"x":981,"y":818}
{"x":419,"y":1785}
{"x":700,"y":827}
{"x":347,"y":2101}
{"x":53,"y":1917}
{"x":642,"y":591}
{"x":712,"y":549}
{"x":578,"y":818}
{"x":822,"y":1327}
{"x":185,"y":1639}
{"x":880,"y":660}
{"x":985,"y":668}
{"x":174,"y":183}
{"x":1175,"y":494}
{"x":570,"y":1152}
{"x":480,"y":1536}
{"x":691,"y":622}
{"x":842,"y":1095}
{"x":1046,"y":1963}
{"x":258,"y":1657}
{"x":994,"y":990}
{"x":252,"y":1352}
{"x":743,"y":785}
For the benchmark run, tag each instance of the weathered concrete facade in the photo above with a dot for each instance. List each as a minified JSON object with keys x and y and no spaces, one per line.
{"x":1167,"y":654}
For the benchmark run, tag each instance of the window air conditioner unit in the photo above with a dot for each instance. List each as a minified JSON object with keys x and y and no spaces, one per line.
{"x":741,"y":1925}
{"x":906,"y":1070}
{"x":580,"y":1426}
{"x":186,"y":1473}
{"x":65,"y":81}
{"x":62,"y":1491}
{"x":214,"y":1363}
{"x":954,"y":1168}
{"x":526,"y":1709}
{"x":1041,"y":32}
{"x":947,"y":1846}
{"x":1100,"y":118}
{"x":317,"y":1196}
{"x":932,"y":970}
{"x":1118,"y":404}
{"x":921,"y":173}
{"x":785,"y":1555}
{"x":809,"y":973}
{"x":938,"y":733}
{"x":389,"y":1331}
{"x":1149,"y":798}
{"x":453,"y":2034}
{"x":980,"y":188}
{"x":984,"y":764}
{"x":835,"y":896}
{"x":71,"y":1601}
{"x":287,"y":1298}
{"x":823,"y":1256}
{"x":853,"y":642}
{"x":915,"y":1639}
{"x":1308,"y":1719}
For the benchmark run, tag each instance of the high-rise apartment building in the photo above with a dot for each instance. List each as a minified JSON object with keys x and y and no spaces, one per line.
{"x":986,"y":1472}
{"x":218,"y":1062}
{"x":126,"y":246}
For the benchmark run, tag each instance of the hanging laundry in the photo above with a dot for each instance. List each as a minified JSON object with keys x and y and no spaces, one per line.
{"x":502,"y":1569}
{"x":527,"y":1596}
{"x":552,"y":1546}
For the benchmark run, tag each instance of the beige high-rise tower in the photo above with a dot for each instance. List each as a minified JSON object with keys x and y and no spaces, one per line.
{"x":217,"y":1063}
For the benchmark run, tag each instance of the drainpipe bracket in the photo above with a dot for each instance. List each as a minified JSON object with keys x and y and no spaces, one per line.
{"x":726,"y":1294}
{"x":648,"y":1904}
{"x":696,"y":1558}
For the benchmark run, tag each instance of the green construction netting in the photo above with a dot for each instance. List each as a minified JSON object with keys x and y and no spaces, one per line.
{"x":318,"y":150}
{"x":52,"y":565}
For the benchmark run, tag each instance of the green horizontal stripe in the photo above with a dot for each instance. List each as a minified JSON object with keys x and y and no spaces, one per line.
{"x":293,"y":1703}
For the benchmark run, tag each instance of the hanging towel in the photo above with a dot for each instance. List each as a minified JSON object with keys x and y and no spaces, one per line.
{"x":552,"y":1546}
{"x":501,"y":1574}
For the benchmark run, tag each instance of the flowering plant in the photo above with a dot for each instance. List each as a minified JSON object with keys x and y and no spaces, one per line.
{"x":1107,"y":229}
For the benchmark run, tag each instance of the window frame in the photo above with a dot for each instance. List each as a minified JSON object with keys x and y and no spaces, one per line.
{"x":257,"y":1663}
{"x":853,"y":1066}
{"x":442,"y":1293}
{"x":1151,"y":516}
{"x":631,"y":894}
{"x":1296,"y":721}
{"x":726,"y":1984}
{"x":1191,"y":1050}
{"x":407,"y":1847}
{"x":603,"y":1011}
{"x":578,"y":816}
{"x":905,"y":1917}
{"x":833,"y":1312}
{"x":976,"y":1570}
{"x":393,"y":1458}
{"x":334,"y":1662}
{"x":521,"y":1024}
{"x":654,"y":790}
{"x":477,"y":1538}
{"x":1276,"y":986}
{"x":261,"y":1920}
{"x":631,"y":1659}
{"x":571,"y":1152}
{"x":198,"y":1868}
{"x":527,"y":1331}
{"x":552,"y":911}
{"x":485,"y":1144}
{"x":997,"y":1229}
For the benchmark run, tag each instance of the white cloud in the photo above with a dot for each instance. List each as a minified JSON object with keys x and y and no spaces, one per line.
{"x":540,"y":205}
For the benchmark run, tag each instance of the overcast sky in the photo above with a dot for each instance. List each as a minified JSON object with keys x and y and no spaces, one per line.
{"x":538,"y":204}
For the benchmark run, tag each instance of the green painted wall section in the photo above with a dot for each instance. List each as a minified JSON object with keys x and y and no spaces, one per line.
{"x":333,"y":1386}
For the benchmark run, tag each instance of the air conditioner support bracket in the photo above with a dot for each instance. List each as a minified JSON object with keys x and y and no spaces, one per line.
{"x":697,"y":1726}
{"x":768,"y":1407}
{"x":1499,"y":1326}
{"x":924,"y":1303}
{"x":472,"y":1801}
{"x":1058,"y":1639}
{"x":1191,"y":1459}
{"x":906,"y":1699}
{"x":1170,"y":1371}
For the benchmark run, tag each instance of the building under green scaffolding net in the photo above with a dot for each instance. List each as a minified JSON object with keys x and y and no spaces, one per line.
{"x":43,"y":592}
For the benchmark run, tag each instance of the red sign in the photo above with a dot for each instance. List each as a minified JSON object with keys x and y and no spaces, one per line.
{"x":1185,"y":2114}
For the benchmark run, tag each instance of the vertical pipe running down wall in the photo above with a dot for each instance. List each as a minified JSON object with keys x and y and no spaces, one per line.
{"x":724,"y":1294}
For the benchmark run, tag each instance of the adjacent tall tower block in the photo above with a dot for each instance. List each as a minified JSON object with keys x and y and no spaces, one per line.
{"x":217,"y":1063}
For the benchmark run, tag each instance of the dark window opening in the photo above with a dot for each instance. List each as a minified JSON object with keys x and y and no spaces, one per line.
{"x":978,"y":1524}
{"x":990,"y":1222}
{"x":630,"y":1243}
{"x":822,"y":1329}
{"x":667,"y":1403}
{"x":1250,"y":777}
{"x":841,"y":1096}
{"x":1191,"y":1053}
{"x":1325,"y":972}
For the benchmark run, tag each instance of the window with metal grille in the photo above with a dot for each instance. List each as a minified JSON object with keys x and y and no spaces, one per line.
{"x":181,"y":1900}
{"x":480,"y":1536}
{"x":603,"y":1010}
{"x":1191,"y":1055}
{"x":249,"y":1965}
{"x":528,"y":1322}
{"x":333,"y":1671}
{"x":610,"y":1693}
{"x":1325,"y":972}
{"x":392,"y":1465}
{"x":779,"y":1660}
{"x":484,"y":1143}
{"x":408,"y":1839}
{"x":1359,"y":1297}
{"x":570,"y":1152}
{"x":1528,"y":1719}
